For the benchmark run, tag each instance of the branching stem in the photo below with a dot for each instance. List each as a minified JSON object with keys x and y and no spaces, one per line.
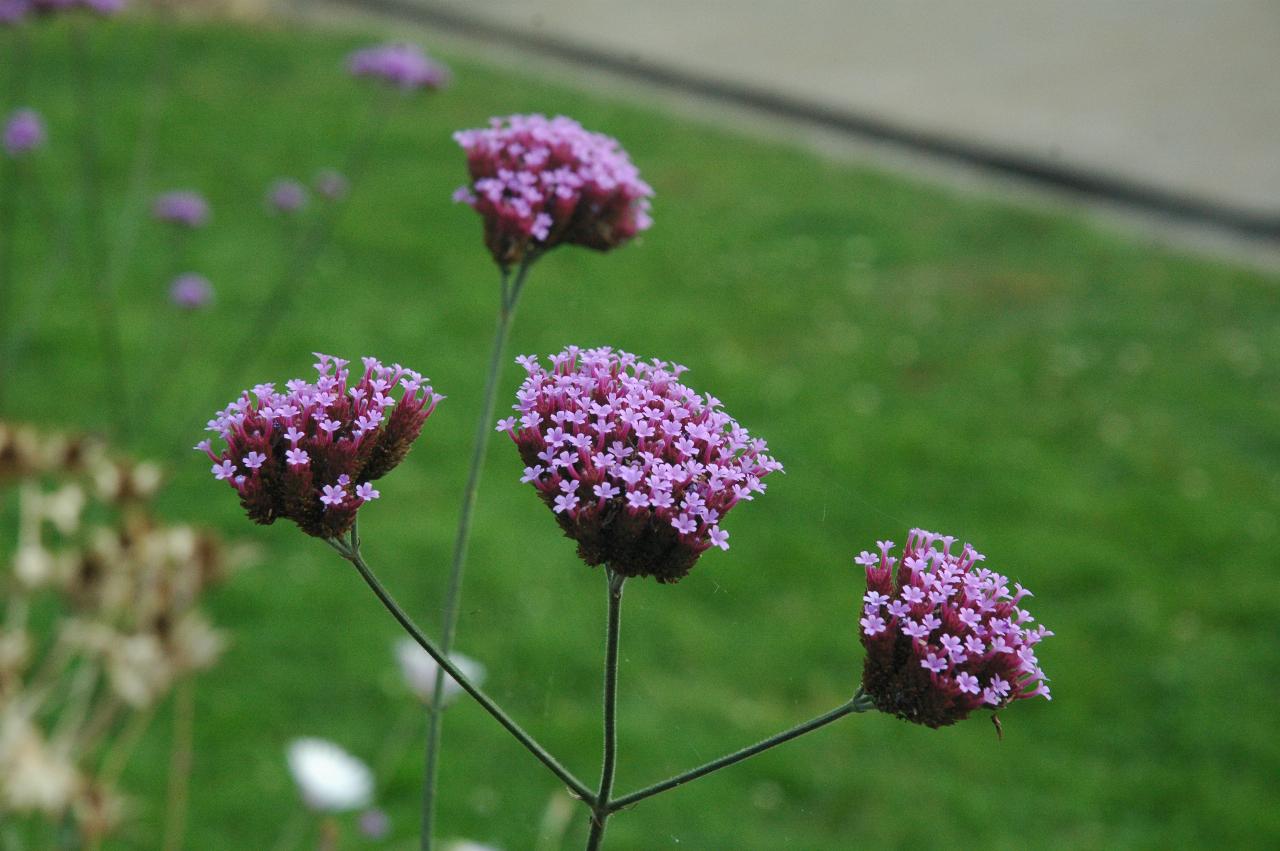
{"x":349,"y":548}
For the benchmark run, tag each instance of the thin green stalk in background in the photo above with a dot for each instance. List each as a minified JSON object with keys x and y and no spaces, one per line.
{"x":41,"y":293}
{"x":8,"y":218}
{"x":9,"y":174}
{"x":180,"y":757}
{"x":115,"y":379}
{"x":134,"y":206}
{"x":600,"y":812}
{"x":509,"y":297}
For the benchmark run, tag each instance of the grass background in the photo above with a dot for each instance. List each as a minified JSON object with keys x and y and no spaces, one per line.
{"x":1097,"y":415}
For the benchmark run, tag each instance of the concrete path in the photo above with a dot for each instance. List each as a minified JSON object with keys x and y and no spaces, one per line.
{"x":1181,"y":97}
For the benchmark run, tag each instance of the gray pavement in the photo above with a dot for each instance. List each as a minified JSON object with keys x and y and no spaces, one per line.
{"x":1178,"y":95}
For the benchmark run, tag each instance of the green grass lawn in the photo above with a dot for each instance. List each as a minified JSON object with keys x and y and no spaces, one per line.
{"x":1099,"y":416}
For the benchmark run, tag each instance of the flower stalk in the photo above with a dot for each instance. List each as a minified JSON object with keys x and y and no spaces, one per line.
{"x":348,"y":546}
{"x":859,"y":703}
{"x":601,"y":811}
{"x":509,"y":297}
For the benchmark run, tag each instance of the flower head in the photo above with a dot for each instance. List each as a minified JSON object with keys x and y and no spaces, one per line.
{"x":309,"y":454}
{"x":330,"y":779}
{"x":23,"y":132}
{"x":402,"y":65}
{"x":191,"y":291}
{"x":538,"y":182}
{"x":638,"y":468}
{"x":181,"y":207}
{"x":419,"y":670}
{"x":945,"y":637}
{"x":287,"y":196}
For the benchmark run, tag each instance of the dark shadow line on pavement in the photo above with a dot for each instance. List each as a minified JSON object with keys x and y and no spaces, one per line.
{"x":1132,"y":194}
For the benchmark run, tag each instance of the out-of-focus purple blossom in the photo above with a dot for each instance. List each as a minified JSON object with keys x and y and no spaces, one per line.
{"x":403,"y":65}
{"x":191,"y":291}
{"x":539,"y":182}
{"x":100,"y":7}
{"x":638,"y":468}
{"x":946,"y":636}
{"x":23,"y":132}
{"x":182,"y":207}
{"x":332,"y":185}
{"x":307,"y":455}
{"x":287,"y":196}
{"x":375,"y":824}
{"x":13,"y":11}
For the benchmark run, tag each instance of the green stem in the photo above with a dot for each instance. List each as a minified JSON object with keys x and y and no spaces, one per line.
{"x":601,"y":811}
{"x":132,"y":218}
{"x":51,"y":275}
{"x":453,"y":595}
{"x":8,"y":217}
{"x":349,"y":549}
{"x":859,"y":703}
{"x":9,"y":203}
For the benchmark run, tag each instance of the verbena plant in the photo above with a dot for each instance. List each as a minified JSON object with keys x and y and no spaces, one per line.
{"x":637,"y":468}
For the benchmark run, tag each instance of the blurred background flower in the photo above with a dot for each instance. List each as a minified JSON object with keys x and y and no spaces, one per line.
{"x":287,"y":196}
{"x":23,"y":132}
{"x":419,"y":670}
{"x":191,"y":291}
{"x":329,"y":779}
{"x":181,"y":207}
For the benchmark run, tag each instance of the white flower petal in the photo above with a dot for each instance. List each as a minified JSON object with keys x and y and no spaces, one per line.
{"x":330,"y":779}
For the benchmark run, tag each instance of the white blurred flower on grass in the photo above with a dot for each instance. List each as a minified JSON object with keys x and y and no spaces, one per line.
{"x":419,"y":671}
{"x":330,"y":779}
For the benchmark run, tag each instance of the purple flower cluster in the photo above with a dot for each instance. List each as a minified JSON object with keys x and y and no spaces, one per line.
{"x":23,"y":132}
{"x":311,"y":454}
{"x":191,"y":291}
{"x":402,"y":65}
{"x":946,"y":637}
{"x":181,"y":207}
{"x":540,"y":182}
{"x":639,"y":469}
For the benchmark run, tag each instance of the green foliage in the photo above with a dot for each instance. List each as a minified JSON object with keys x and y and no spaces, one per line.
{"x":1097,"y":415}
